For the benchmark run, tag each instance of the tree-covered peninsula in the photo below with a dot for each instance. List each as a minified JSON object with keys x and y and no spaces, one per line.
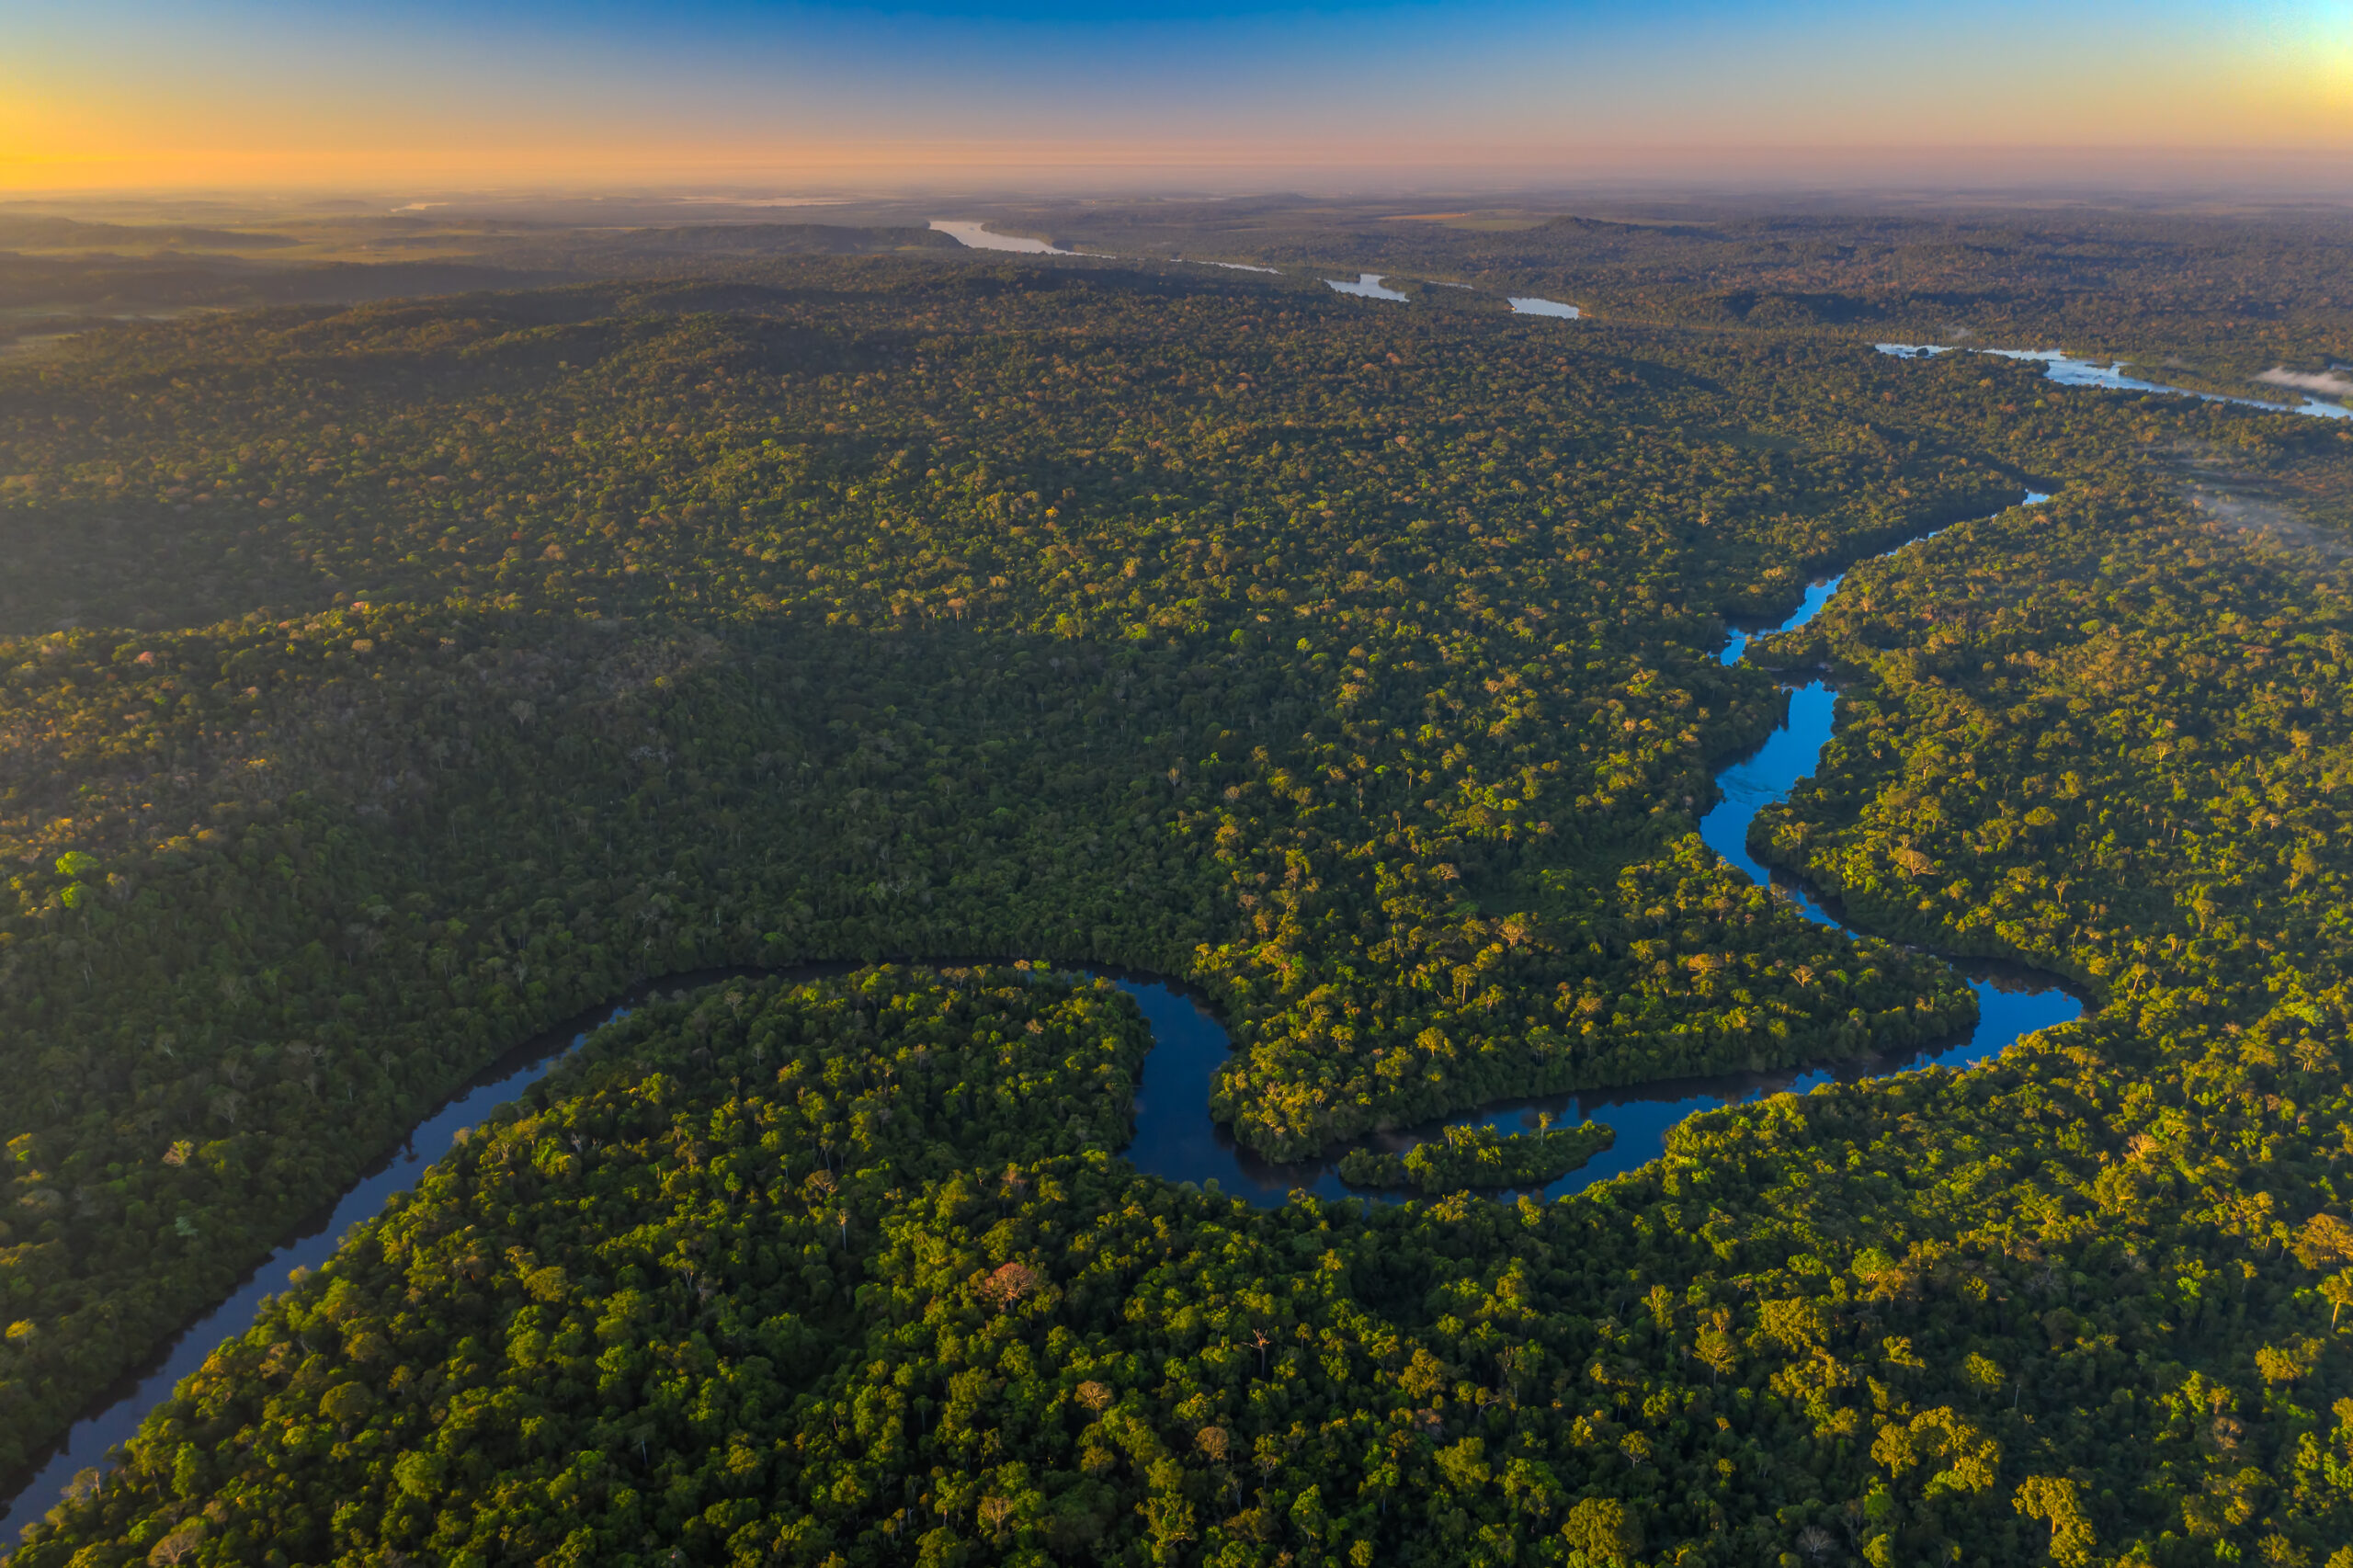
{"x":387,"y":683}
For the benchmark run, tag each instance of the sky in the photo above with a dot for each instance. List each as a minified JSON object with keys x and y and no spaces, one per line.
{"x":237,"y":94}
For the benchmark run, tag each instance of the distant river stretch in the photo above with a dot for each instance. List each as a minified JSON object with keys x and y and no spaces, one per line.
{"x":1368,"y":286}
{"x":2070,"y":371}
{"x":1174,"y":1135}
{"x":976,"y":236}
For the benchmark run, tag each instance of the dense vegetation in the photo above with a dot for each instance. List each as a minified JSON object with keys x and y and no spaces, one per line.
{"x":2199,"y":299}
{"x":2195,"y":299}
{"x":441,"y":669}
{"x":1393,"y":748}
{"x":55,"y":272}
{"x":831,"y":1274}
{"x":2113,"y":738}
{"x":1480,"y":1157}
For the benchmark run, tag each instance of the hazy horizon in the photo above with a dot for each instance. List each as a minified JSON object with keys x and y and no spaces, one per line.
{"x":118,"y":95}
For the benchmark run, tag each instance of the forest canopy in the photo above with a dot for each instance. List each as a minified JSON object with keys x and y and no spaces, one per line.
{"x":386,"y":684}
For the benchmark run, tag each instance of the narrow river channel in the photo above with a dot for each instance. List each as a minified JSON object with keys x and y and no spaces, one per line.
{"x":1174,"y":1135}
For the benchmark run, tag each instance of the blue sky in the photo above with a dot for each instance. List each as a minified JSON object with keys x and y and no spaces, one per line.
{"x":116,"y":91}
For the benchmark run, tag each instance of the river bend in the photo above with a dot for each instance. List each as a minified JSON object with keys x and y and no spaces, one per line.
{"x":1174,"y":1135}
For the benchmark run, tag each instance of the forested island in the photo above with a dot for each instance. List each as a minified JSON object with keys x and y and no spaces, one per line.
{"x":385,"y":683}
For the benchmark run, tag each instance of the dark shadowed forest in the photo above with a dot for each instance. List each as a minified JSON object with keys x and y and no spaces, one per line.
{"x":384,"y":679}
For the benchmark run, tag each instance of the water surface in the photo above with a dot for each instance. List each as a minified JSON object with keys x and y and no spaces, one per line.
{"x":1367,"y":287}
{"x":1534,"y":307}
{"x":90,"y":1439}
{"x":1174,"y":1137}
{"x":2070,"y":371}
{"x":977,"y":237}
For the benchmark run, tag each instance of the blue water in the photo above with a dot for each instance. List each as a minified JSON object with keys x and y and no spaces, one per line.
{"x":1173,"y":1136}
{"x":2070,"y":371}
{"x":87,"y":1443}
{"x":1175,"y":1139}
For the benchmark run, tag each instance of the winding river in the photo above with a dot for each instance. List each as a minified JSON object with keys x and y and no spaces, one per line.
{"x":2064,"y":368}
{"x":1174,"y":1135}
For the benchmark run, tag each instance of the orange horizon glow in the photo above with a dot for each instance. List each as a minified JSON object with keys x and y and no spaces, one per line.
{"x":819,"y":99}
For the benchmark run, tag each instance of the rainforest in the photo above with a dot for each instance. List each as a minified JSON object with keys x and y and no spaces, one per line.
{"x":856,"y":649}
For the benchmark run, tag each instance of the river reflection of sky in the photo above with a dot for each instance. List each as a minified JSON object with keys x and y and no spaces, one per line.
{"x":2070,"y":371}
{"x":1367,"y":287}
{"x":1173,"y":1136}
{"x":976,"y":236}
{"x":87,"y":1442}
{"x":1175,"y":1139}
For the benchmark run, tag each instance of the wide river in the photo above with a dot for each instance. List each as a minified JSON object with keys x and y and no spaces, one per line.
{"x":1174,"y":1135}
{"x":2068,"y":371}
{"x":976,"y":236}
